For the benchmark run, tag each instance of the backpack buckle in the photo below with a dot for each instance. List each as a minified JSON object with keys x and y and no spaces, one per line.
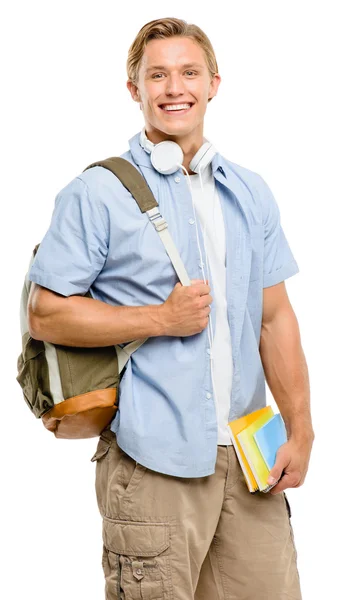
{"x":157,"y":219}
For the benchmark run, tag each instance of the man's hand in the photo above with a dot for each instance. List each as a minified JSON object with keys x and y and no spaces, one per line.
{"x":186,"y":310}
{"x":291,"y":464}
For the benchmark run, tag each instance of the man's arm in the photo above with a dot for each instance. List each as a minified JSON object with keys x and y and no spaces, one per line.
{"x":87,"y":322}
{"x":286,"y":372}
{"x":284,"y":362}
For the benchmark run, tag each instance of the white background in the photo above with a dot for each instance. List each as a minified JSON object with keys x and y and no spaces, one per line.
{"x":289,"y":108}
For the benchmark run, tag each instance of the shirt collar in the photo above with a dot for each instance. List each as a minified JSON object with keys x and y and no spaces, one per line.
{"x":142,"y":158}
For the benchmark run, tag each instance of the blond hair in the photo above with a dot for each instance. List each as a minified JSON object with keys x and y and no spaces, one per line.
{"x":166,"y":28}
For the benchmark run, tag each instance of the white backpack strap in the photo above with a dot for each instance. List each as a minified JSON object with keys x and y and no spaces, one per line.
{"x":161,"y":227}
{"x":123,"y":354}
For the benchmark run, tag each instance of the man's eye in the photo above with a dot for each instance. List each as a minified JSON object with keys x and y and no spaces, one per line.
{"x":155,"y":76}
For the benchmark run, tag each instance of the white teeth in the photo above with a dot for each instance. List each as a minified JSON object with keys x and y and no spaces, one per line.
{"x":175,"y":106}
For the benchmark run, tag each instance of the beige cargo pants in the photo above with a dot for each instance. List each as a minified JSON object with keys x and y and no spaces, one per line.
{"x":206,"y":538}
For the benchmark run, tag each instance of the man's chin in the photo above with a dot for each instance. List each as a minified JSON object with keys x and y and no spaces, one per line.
{"x":177,"y":128}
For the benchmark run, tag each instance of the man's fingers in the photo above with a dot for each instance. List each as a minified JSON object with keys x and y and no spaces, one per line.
{"x":281,"y":462}
{"x":285,"y":482}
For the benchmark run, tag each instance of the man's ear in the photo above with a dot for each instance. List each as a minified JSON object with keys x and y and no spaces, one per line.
{"x":133,"y":91}
{"x":215,"y":84}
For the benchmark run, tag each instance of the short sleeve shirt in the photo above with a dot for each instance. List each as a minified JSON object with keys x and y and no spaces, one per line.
{"x":98,"y":240}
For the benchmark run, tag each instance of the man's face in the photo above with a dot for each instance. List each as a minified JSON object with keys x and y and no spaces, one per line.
{"x":174,"y":71}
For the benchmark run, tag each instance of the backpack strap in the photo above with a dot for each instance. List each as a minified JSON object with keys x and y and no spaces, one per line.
{"x":131,"y":179}
{"x":136,"y":184}
{"x":138,"y":187}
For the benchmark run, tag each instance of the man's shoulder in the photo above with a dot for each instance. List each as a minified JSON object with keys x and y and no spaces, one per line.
{"x":98,"y":177}
{"x":248,"y":183}
{"x":246,"y":175}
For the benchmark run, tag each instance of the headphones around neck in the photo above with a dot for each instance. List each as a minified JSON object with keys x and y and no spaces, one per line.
{"x":167,"y":156}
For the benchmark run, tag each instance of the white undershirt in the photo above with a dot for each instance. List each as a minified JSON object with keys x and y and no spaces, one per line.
{"x":205,"y":204}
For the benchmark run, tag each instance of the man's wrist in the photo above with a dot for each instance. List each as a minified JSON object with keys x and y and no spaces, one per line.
{"x":158,"y":316}
{"x":305,"y":435}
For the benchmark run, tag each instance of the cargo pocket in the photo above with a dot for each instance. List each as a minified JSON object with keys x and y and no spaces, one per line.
{"x":136,"y":560}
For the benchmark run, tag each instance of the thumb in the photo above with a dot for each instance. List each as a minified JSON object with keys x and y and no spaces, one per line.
{"x":277,"y":470}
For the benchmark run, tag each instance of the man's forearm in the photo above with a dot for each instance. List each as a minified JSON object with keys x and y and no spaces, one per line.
{"x":286,"y":372}
{"x":86,"y":322}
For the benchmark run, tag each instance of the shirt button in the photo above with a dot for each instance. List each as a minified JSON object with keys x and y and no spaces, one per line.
{"x":191,"y":221}
{"x":208,"y":351}
{"x":208,"y":395}
{"x":201,"y":264}
{"x":177,"y":179}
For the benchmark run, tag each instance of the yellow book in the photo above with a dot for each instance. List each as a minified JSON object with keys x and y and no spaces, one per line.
{"x":238,"y":425}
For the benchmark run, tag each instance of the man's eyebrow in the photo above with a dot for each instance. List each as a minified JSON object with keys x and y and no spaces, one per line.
{"x":186,"y":66}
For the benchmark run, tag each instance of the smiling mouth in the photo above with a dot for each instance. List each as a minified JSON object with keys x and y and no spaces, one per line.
{"x":177,"y":109}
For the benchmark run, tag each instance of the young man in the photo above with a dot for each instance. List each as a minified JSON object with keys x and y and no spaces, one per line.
{"x":178,"y":519}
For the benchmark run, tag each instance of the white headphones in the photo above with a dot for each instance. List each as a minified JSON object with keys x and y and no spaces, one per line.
{"x":167,"y":156}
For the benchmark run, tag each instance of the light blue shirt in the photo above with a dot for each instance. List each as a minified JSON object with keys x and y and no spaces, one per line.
{"x":98,"y":239}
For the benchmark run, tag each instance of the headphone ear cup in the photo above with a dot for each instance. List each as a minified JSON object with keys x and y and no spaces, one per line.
{"x":203,"y":157}
{"x":166,"y":157}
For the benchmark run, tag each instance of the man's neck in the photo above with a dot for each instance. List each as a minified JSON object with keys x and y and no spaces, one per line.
{"x":189,"y":144}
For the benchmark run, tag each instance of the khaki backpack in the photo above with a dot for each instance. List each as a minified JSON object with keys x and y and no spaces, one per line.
{"x":75,"y":390}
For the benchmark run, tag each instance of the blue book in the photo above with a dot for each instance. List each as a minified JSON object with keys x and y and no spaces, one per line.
{"x":269,"y":438}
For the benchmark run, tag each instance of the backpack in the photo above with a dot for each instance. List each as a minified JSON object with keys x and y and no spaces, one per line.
{"x":75,"y":390}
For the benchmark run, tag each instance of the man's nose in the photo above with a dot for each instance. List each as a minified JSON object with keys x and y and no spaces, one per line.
{"x":175,"y":85}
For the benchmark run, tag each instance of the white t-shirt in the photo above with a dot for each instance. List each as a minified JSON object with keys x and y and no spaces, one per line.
{"x":205,"y":204}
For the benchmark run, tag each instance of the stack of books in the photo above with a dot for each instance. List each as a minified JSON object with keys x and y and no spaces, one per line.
{"x":256,"y":438}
